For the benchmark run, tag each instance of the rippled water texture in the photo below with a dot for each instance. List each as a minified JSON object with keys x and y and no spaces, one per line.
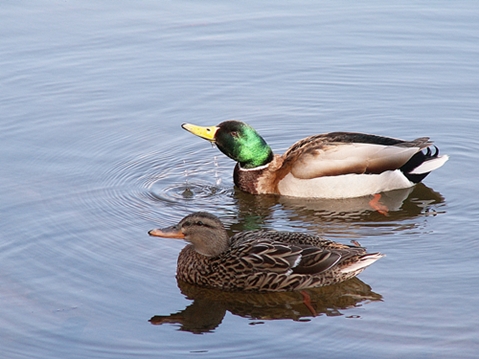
{"x":93,"y":156}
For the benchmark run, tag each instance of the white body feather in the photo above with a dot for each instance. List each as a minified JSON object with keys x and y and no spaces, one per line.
{"x":430,"y":165}
{"x":343,"y":186}
{"x":366,"y":261}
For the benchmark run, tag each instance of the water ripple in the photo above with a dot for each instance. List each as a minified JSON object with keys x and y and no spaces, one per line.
{"x":161,"y":184}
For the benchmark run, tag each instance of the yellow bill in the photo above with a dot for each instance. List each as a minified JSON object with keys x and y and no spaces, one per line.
{"x":208,"y":133}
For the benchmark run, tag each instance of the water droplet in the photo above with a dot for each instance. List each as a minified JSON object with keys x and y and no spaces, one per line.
{"x":188,"y":193}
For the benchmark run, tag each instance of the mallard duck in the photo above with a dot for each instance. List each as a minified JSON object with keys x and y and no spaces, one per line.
{"x":331,"y":165}
{"x":263,"y":260}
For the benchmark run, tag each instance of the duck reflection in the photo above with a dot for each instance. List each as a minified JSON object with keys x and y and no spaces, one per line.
{"x":210,"y":305}
{"x":341,"y":215}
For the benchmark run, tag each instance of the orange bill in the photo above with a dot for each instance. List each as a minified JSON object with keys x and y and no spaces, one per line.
{"x":169,"y":232}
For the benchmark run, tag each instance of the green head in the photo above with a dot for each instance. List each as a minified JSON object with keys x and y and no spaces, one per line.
{"x":237,"y":140}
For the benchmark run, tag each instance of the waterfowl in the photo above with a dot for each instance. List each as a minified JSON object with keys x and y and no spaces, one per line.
{"x":331,"y":165}
{"x":263,"y":260}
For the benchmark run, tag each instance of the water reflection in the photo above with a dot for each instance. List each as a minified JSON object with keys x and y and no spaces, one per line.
{"x":210,"y":305}
{"x":339,"y":216}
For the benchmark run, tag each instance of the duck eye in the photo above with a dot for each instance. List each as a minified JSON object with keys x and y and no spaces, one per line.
{"x":200,"y":223}
{"x":234,"y":134}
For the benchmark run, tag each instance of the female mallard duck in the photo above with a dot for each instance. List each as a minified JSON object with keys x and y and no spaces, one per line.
{"x":260,"y":260}
{"x":331,"y":165}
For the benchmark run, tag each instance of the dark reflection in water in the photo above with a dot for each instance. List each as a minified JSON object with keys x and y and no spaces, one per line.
{"x":339,"y":216}
{"x":210,"y":305}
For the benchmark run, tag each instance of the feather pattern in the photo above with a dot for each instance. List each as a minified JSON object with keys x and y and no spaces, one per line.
{"x":340,"y":153}
{"x":262,"y":260}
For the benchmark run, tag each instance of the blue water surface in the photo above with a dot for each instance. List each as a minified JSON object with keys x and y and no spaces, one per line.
{"x":93,"y":156}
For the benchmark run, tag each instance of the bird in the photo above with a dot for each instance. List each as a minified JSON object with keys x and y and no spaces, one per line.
{"x":260,"y":260}
{"x":331,"y":165}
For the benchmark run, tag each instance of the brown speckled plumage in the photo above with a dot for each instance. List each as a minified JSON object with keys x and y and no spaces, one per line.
{"x":261,"y":260}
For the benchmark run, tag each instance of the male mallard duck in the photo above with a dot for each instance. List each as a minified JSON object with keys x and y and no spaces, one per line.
{"x":331,"y":165}
{"x":260,"y":260}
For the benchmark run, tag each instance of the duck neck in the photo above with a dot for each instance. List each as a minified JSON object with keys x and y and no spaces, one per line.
{"x":246,"y":179}
{"x":258,"y":158}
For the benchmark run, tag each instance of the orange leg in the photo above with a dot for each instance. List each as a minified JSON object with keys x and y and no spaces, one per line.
{"x":307,"y":303}
{"x":378,"y":206}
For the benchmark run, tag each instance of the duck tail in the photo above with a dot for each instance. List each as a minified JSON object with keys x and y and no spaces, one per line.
{"x":365,"y":261}
{"x":422,"y":163}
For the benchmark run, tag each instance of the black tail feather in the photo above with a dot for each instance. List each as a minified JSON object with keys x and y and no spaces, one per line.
{"x":415,"y":161}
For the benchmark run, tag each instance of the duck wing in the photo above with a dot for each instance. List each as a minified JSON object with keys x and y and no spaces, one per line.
{"x":264,"y":255}
{"x":293,"y":255}
{"x":340,"y":153}
{"x":316,"y":260}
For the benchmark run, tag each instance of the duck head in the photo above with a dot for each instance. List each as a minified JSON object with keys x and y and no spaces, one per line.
{"x":237,"y":140}
{"x":203,"y":230}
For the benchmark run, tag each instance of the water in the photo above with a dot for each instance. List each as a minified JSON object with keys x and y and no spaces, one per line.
{"x":93,"y":156}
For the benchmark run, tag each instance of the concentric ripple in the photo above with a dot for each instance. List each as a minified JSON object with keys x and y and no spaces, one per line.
{"x":185,"y":191}
{"x":160,"y":184}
